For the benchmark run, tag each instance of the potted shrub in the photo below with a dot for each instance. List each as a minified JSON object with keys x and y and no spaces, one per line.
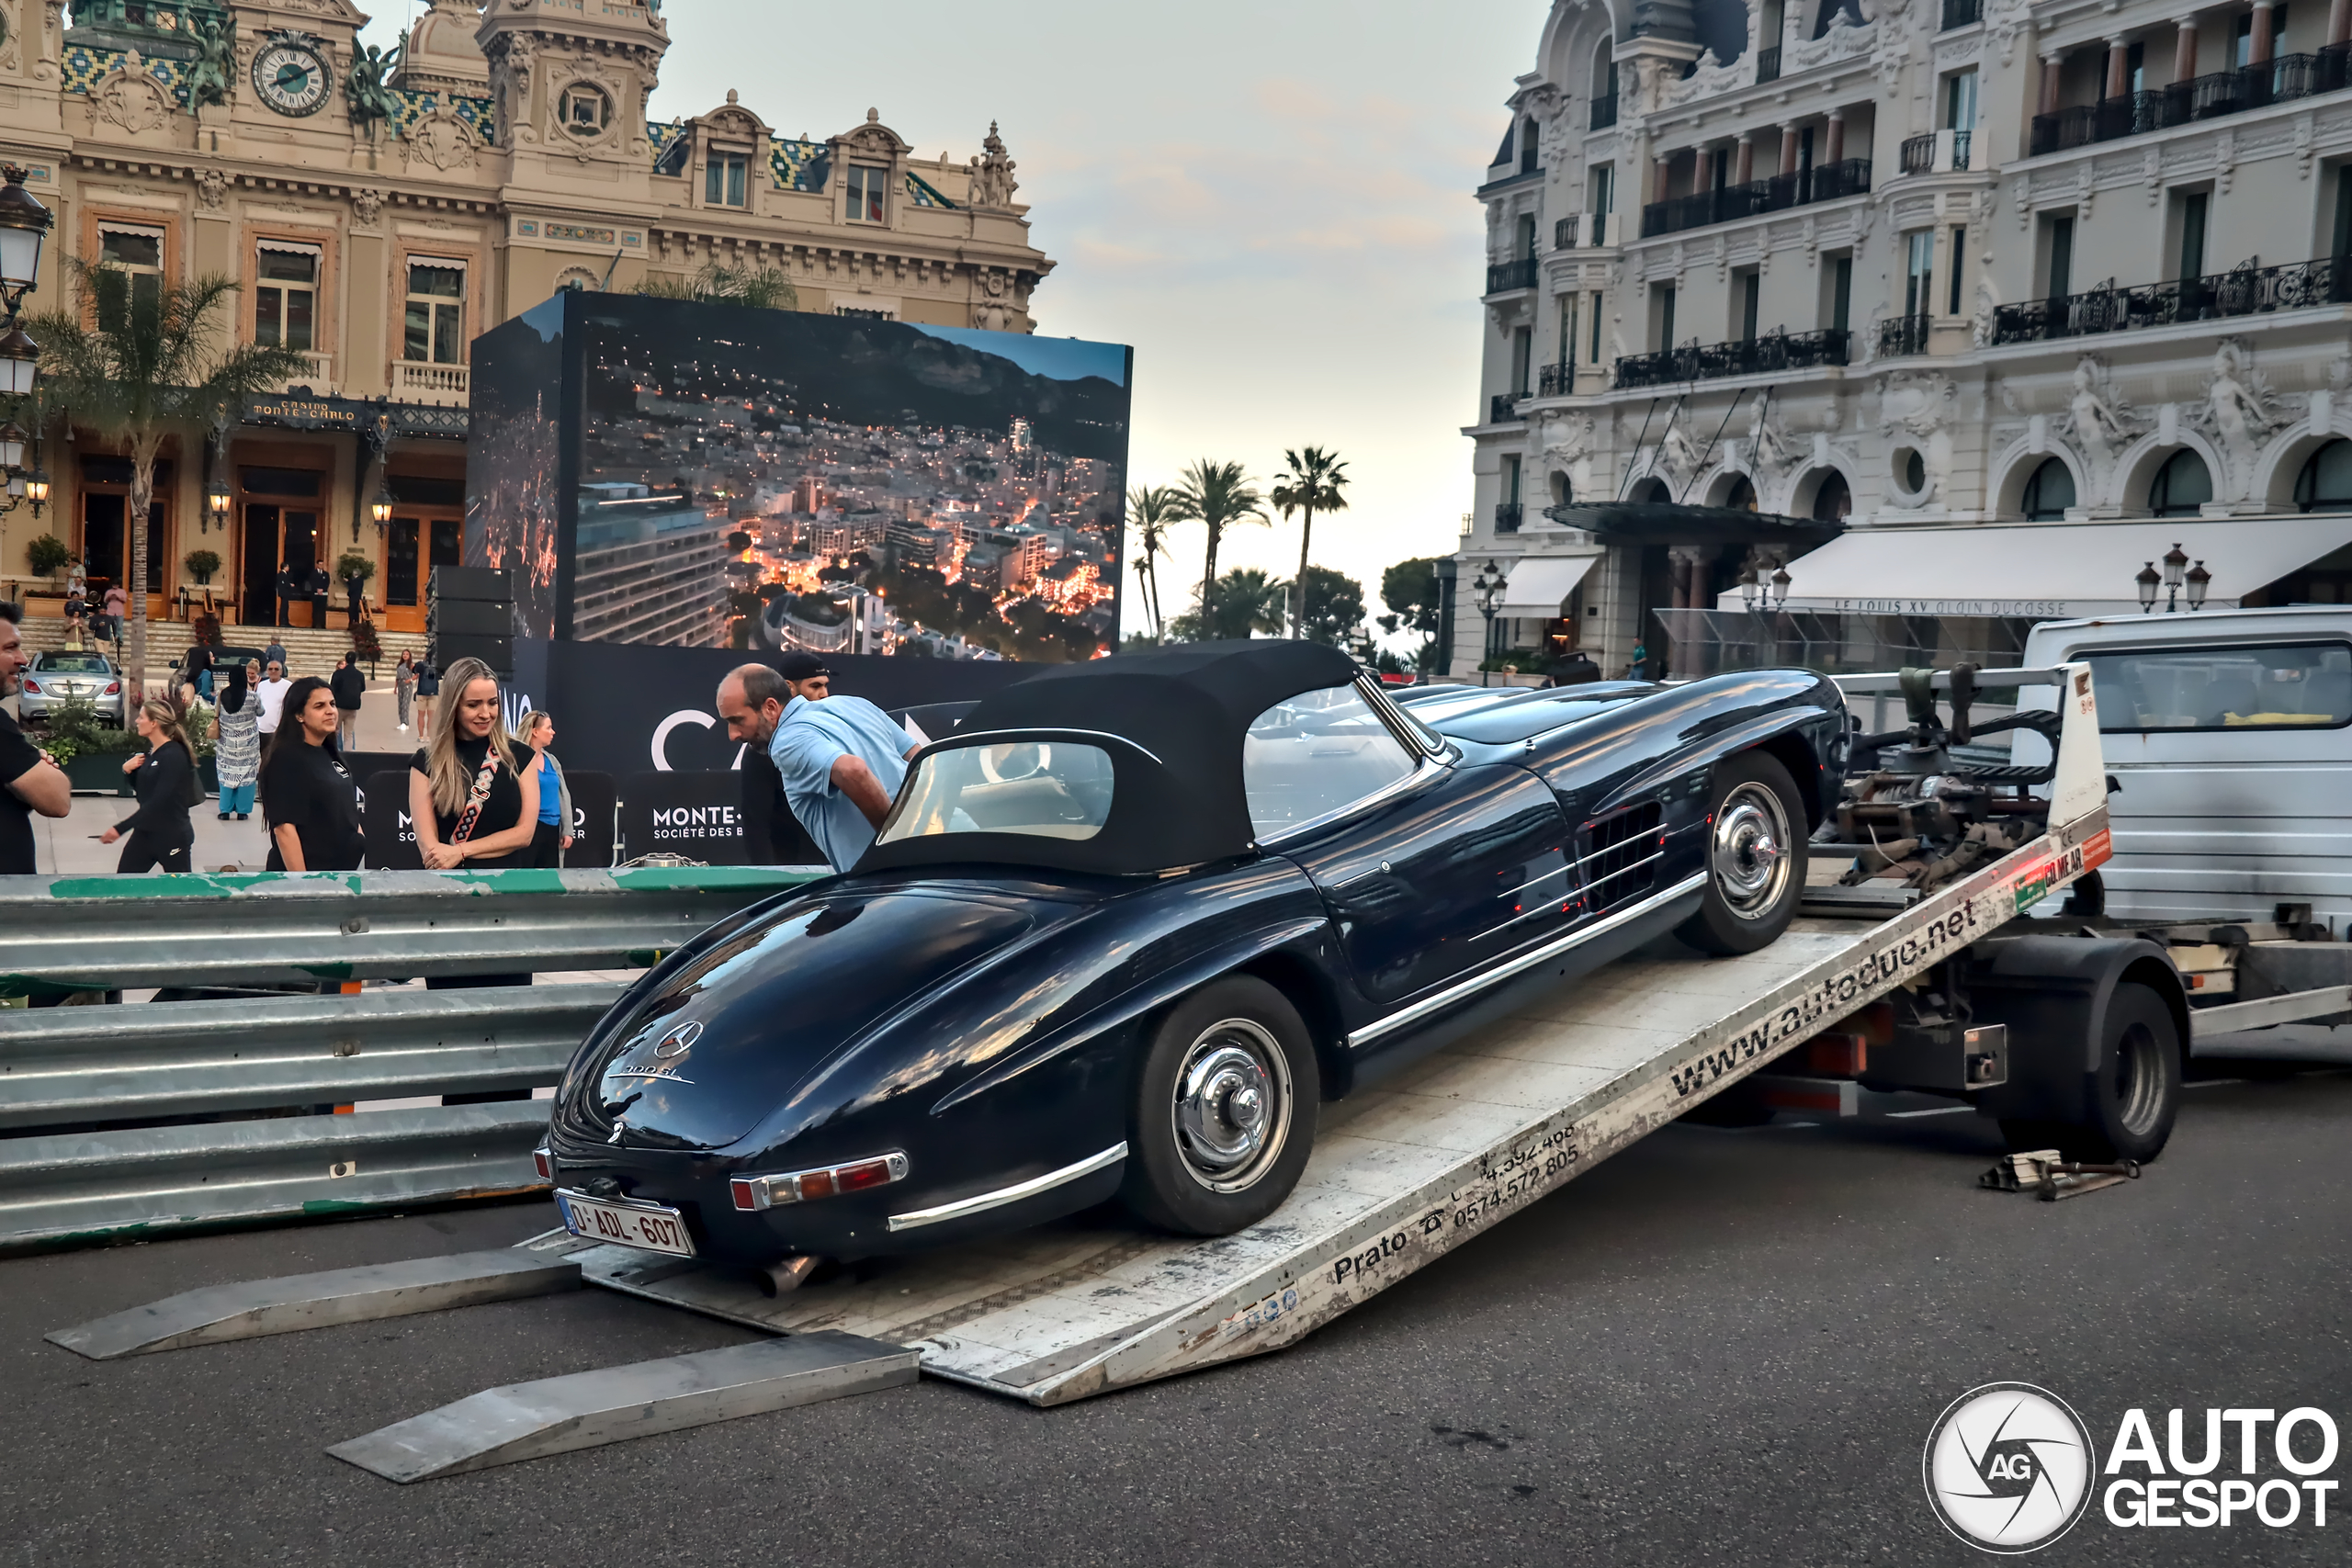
{"x":202,"y":565}
{"x":91,"y":754}
{"x":48,"y":556}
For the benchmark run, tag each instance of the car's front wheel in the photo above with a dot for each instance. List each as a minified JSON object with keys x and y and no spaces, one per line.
{"x":1223,"y":1112}
{"x":1756,"y":854}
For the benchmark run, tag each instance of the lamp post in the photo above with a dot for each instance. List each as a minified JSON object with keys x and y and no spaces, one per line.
{"x":217,"y":501}
{"x":1486,"y":591}
{"x":2177,"y":574}
{"x":2148,"y":583}
{"x":24,"y":231}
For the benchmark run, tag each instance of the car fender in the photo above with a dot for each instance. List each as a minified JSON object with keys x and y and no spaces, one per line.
{"x":1158,"y":990}
{"x":1780,"y":732}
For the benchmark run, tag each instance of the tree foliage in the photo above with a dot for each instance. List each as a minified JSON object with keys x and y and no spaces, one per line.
{"x":1217,"y":495}
{"x":1151,"y":509}
{"x":762,"y":289}
{"x":1312,"y":480}
{"x":1328,"y":605}
{"x":1412,"y":592}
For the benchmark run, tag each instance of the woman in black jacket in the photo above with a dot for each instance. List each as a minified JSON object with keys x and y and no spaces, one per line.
{"x":307,"y":795}
{"x":161,"y":834}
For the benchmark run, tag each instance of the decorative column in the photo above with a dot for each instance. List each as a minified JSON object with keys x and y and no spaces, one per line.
{"x":2340,"y":21}
{"x":1789,"y":146}
{"x":1662,"y":165}
{"x":2259,"y":46}
{"x":2117,"y":53}
{"x":2052,"y":70}
{"x":1745,"y":169}
{"x":2184,"y":47}
{"x":1836,"y":149}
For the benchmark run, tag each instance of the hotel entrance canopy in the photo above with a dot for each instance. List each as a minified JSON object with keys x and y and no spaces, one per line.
{"x":2047,"y":571}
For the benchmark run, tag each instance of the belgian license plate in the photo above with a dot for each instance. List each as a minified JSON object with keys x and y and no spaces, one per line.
{"x":647,"y":1225}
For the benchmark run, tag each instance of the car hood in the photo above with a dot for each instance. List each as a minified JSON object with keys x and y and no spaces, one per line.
{"x":718,"y":1046}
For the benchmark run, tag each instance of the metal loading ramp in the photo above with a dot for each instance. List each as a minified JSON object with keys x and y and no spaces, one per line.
{"x":1401,"y":1174}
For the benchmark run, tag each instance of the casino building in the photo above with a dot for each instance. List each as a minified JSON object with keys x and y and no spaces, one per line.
{"x":382,"y":211}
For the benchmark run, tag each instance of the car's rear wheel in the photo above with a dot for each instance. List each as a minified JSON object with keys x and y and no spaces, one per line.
{"x":1756,"y":855}
{"x":1223,"y":1112}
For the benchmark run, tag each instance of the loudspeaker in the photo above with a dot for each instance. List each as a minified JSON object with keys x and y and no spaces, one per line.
{"x":498,"y":652}
{"x":469,"y":617}
{"x":482,"y":583}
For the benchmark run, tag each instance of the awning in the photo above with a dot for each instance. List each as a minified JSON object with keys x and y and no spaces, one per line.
{"x":1664,"y":523}
{"x":1539,"y":585}
{"x":2044,"y":570}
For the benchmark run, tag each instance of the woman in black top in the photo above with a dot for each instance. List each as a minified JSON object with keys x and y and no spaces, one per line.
{"x":166,"y":779}
{"x":472,"y":802}
{"x":309,"y":802}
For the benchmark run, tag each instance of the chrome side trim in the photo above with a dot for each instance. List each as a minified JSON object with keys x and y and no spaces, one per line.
{"x":1463,"y":989}
{"x":1013,"y":1194}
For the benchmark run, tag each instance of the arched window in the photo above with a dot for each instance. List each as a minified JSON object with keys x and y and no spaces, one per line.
{"x":1604,"y":70}
{"x":2181,"y":486}
{"x":1832,"y":501}
{"x":1530,"y":146}
{"x":1649,"y":491}
{"x":1741,"y":497}
{"x":2049,"y":492}
{"x":1562,"y":494}
{"x":2325,"y":483}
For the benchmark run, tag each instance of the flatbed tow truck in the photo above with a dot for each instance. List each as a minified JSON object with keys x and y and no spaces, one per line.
{"x":1919,"y":969}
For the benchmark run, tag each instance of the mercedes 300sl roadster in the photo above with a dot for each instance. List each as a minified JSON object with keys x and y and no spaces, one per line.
{"x":1130,"y":924}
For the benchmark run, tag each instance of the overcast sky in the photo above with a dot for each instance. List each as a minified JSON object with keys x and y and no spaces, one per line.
{"x":1271,"y":201}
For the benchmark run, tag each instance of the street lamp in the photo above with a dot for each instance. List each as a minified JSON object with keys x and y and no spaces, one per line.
{"x":37,"y":491}
{"x":12,"y":445}
{"x":2199,"y":580}
{"x":1486,"y":591}
{"x":2149,"y":582}
{"x":216,"y":504}
{"x":381,"y":509}
{"x":2176,"y":564}
{"x":24,"y":228}
{"x":20,"y":363}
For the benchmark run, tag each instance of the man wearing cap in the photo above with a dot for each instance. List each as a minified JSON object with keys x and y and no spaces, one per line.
{"x":837,"y":762}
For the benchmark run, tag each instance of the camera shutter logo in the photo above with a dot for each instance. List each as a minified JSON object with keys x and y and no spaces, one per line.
{"x":2008,"y":1468}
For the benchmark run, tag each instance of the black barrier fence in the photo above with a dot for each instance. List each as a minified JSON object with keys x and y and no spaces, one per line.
{"x":391,"y":838}
{"x":699,"y":816}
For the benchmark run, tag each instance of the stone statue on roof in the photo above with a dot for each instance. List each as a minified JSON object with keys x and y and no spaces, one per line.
{"x":992,"y":181}
{"x":367,"y":87}
{"x":215,"y":66}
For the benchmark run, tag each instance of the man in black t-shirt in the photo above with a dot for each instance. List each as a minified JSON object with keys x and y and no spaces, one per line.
{"x":29,"y":782}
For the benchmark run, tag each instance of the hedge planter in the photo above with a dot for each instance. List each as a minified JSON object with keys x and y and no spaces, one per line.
{"x":101,"y":774}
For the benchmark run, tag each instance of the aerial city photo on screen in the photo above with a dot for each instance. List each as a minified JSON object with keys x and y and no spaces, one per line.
{"x":777,"y":479}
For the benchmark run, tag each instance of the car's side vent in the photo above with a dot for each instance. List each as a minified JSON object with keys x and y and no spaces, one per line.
{"x":1626,"y":848}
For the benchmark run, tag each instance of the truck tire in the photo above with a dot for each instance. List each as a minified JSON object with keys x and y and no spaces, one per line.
{"x":2130,"y":1103}
{"x":1224,"y":1111}
{"x":1755,"y":857}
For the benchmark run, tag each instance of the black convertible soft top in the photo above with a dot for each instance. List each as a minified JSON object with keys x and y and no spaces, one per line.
{"x":1177,"y":798}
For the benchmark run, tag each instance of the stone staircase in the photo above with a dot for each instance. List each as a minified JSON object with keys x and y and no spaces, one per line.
{"x":310,"y":652}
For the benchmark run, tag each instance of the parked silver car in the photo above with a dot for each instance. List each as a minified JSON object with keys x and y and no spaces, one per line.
{"x":87,"y":677}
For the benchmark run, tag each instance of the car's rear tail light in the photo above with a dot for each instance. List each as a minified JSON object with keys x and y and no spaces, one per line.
{"x":544,"y":1159}
{"x":32,"y":685}
{"x":114,"y":688}
{"x":753,"y":1193}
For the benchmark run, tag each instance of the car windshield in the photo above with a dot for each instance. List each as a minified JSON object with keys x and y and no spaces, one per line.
{"x":1315,"y":754}
{"x":72,"y":664}
{"x":2294,"y":685}
{"x":1048,"y":789}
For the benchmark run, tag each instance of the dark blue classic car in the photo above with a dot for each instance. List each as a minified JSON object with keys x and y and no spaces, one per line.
{"x":1129,"y":925}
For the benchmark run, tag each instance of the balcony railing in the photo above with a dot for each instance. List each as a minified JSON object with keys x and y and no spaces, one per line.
{"x":1581,"y":229}
{"x":1604,"y":112}
{"x":1903,"y":336}
{"x":2248,"y":290}
{"x":1502,"y":407}
{"x":1960,"y":141}
{"x":1768,"y":64}
{"x":2283,"y":80}
{"x":1962,"y":13}
{"x":1824,"y":181}
{"x":1767,"y":354}
{"x":1503,"y":277}
{"x":1506,"y":516}
{"x":319,"y":378}
{"x":430,"y":383}
{"x":1918,"y":153}
{"x":1556,"y":381}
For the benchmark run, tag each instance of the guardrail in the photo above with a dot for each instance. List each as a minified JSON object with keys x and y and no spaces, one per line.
{"x":118,"y":1122}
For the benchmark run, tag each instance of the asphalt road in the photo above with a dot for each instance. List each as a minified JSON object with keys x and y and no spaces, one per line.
{"x":1720,"y":1347}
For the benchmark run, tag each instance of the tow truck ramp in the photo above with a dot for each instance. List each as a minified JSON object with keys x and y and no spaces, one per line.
{"x":1401,"y":1174}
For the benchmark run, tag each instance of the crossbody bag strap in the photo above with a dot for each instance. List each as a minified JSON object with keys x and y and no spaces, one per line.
{"x":476,"y":797}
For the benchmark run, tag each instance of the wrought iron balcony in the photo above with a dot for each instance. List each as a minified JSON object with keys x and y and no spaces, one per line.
{"x":1960,"y":142}
{"x":1581,"y":229}
{"x":1824,"y":181}
{"x":1918,"y":153}
{"x":1768,"y":64}
{"x":2283,"y":80}
{"x":1962,"y":13}
{"x":1556,"y":381}
{"x":1504,"y":277}
{"x":1502,"y":407}
{"x":1903,"y":336}
{"x":1604,"y":112}
{"x":1771,"y":353}
{"x":1506,"y":516}
{"x":2246,"y":290}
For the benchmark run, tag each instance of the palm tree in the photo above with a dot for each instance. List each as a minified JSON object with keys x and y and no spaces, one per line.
{"x":1217,"y":495}
{"x":1248,"y":601}
{"x":762,"y":289}
{"x":1151,"y":510}
{"x":133,"y":367}
{"x":1313,"y":480}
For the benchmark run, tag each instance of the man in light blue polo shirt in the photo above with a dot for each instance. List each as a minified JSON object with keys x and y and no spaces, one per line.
{"x":842,"y":761}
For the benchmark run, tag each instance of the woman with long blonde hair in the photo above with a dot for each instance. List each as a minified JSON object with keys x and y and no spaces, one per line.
{"x":471,"y":800}
{"x":161,"y":834}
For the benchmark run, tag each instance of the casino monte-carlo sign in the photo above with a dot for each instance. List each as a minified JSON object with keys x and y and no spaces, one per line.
{"x":295,"y":410}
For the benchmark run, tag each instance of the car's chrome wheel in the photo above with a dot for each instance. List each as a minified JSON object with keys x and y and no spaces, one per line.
{"x":1231,"y":1107}
{"x":1749,"y":858}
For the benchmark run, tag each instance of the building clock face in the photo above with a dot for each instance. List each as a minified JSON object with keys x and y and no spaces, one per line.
{"x":291,"y":78}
